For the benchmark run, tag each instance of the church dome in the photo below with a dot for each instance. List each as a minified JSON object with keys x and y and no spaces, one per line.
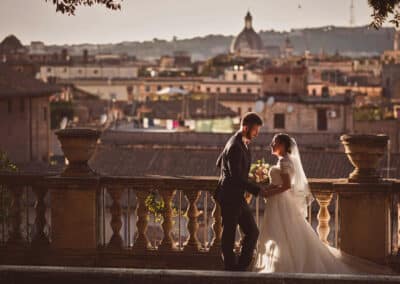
{"x":248,"y":39}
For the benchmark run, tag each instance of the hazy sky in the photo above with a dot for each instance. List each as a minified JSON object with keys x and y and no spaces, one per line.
{"x":142,"y":20}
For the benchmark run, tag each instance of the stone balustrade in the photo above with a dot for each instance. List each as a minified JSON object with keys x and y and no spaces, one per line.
{"x":79,"y":218}
{"x":78,"y":240}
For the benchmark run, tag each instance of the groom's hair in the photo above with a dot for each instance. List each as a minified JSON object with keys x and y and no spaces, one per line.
{"x":251,"y":119}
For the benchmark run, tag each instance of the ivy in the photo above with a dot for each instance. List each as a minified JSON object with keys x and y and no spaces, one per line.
{"x":5,"y":166}
{"x":156,"y":206}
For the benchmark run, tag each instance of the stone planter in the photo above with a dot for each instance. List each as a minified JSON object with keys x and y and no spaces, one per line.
{"x":365,"y":152}
{"x":78,"y":145}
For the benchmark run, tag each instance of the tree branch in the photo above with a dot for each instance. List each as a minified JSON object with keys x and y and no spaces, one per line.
{"x":69,"y":6}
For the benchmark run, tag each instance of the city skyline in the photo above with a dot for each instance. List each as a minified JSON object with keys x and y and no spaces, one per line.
{"x":146,"y":21}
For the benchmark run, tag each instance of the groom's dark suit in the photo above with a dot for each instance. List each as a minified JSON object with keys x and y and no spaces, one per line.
{"x":235,"y":162}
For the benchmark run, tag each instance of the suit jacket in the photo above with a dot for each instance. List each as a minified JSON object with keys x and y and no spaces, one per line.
{"x":234,"y":162}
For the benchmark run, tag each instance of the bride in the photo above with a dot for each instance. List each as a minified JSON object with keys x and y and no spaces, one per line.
{"x":287,"y":242}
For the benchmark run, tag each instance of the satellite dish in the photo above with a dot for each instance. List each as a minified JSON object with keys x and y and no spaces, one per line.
{"x":103,"y":119}
{"x":63,"y":122}
{"x":260,"y":105}
{"x":270,"y":101}
{"x":290,"y":108}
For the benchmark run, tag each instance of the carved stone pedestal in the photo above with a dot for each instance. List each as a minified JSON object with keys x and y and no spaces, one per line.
{"x":364,"y":220}
{"x":73,"y":213}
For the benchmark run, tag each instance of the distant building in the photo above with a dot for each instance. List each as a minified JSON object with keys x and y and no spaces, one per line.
{"x":391,"y":80}
{"x":392,"y":56}
{"x":248,"y":43}
{"x":24,"y":116}
{"x":11,"y":49}
{"x":284,"y":80}
{"x":92,"y":71}
{"x":236,"y":80}
{"x":306,"y":114}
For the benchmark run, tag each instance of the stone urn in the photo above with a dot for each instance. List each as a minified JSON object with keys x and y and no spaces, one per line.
{"x":365,"y":152}
{"x":78,"y":145}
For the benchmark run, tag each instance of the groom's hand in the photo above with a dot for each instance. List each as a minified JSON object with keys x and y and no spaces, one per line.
{"x":264,"y":192}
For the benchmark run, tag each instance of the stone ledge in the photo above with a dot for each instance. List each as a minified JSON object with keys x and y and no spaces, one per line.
{"x":67,"y":275}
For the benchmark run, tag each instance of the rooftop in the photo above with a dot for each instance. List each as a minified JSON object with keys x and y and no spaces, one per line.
{"x":13,"y":83}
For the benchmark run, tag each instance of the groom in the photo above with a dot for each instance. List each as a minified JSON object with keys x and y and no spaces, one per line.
{"x":234,"y":162}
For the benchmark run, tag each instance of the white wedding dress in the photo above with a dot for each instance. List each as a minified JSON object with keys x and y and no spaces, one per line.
{"x":288,"y":243}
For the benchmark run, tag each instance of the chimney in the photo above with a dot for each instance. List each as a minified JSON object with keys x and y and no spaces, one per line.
{"x":85,"y":56}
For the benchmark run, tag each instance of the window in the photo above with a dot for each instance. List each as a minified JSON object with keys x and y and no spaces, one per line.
{"x":314,"y":92}
{"x":147,"y":88}
{"x":181,"y":87}
{"x":65,"y":70}
{"x":244,"y":77}
{"x":276,"y":80}
{"x":228,"y":90}
{"x":159,"y":87}
{"x":325,"y":92}
{"x":45,"y":113}
{"x":79,"y":71}
{"x":9,"y":106}
{"x":239,"y":111}
{"x":218,"y":89}
{"x":48,"y":70}
{"x":288,"y":80}
{"x":238,"y":90}
{"x":249,"y":91}
{"x":322,"y":121}
{"x":22,"y":105}
{"x":279,"y":121}
{"x":208,"y":89}
{"x":234,"y":77}
{"x":249,"y":109}
{"x":95,"y":71}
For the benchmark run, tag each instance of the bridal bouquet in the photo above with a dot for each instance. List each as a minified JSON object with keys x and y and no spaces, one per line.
{"x":259,"y":172}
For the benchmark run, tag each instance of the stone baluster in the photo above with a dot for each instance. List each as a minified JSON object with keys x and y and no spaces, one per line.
{"x":116,"y":221}
{"x":141,"y":242}
{"x":40,"y":239}
{"x":167,"y":243}
{"x":193,"y":243}
{"x":15,"y":237}
{"x":323,"y":199}
{"x":217,"y":229}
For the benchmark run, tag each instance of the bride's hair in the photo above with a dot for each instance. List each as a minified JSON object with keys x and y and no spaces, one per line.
{"x":285,"y":139}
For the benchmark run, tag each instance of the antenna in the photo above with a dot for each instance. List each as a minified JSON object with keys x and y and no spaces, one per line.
{"x":352,"y":16}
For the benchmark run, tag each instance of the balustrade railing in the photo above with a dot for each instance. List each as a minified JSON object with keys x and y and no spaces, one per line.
{"x":150,"y":216}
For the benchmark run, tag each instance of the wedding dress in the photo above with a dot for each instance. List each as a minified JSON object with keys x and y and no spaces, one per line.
{"x":288,"y":243}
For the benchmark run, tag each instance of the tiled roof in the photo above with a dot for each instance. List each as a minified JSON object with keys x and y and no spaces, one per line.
{"x":180,"y":161}
{"x":194,"y":154}
{"x":196,"y":109}
{"x":13,"y":83}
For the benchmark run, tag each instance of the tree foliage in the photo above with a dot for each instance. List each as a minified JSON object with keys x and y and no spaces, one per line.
{"x":6,"y":164}
{"x":384,"y":10}
{"x":69,"y":6}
